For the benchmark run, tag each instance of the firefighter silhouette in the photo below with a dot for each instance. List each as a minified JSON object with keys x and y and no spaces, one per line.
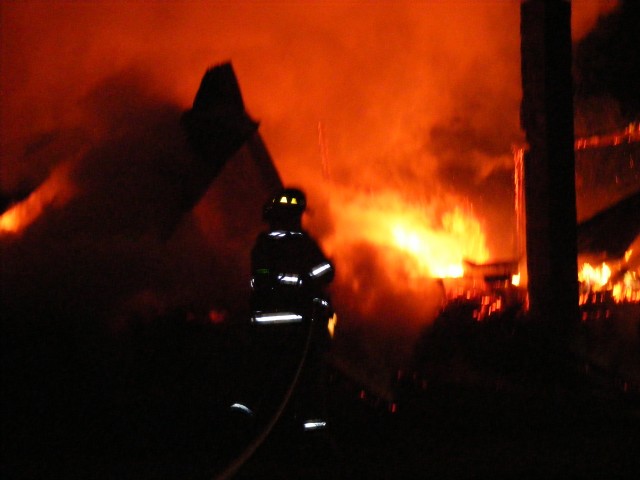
{"x":290,"y":307}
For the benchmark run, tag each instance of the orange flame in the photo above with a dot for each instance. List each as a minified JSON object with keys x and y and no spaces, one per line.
{"x":55,"y":191}
{"x":628,"y":290}
{"x":620,"y":283}
{"x":596,"y":277}
{"x":432,"y":240}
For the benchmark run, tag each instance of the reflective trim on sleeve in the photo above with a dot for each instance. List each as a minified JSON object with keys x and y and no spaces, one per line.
{"x":283,"y":233}
{"x":289,"y":278}
{"x":278,"y":317}
{"x":314,"y":425}
{"x":319,"y":270}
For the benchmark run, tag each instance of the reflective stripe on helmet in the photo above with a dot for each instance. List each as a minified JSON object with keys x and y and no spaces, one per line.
{"x":314,"y":425}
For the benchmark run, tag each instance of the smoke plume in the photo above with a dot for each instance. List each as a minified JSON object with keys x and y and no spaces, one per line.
{"x":417,"y":101}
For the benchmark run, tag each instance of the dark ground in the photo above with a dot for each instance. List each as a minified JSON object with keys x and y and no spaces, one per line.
{"x":451,"y":431}
{"x":482,"y":401}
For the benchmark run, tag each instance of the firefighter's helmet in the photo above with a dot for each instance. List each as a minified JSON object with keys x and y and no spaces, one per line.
{"x":288,"y":202}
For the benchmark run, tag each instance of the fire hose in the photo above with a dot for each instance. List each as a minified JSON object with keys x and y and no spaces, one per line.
{"x":251,"y":448}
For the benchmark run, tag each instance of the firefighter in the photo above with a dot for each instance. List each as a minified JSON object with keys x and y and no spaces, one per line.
{"x":290,"y":272}
{"x":290,"y":304}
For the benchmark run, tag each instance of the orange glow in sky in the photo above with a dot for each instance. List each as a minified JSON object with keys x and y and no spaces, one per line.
{"x":418,"y":103}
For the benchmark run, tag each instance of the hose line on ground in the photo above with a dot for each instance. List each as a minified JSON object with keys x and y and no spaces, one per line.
{"x":248,"y":452}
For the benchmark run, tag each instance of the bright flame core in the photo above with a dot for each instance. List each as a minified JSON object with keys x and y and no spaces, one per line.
{"x":596,"y":277}
{"x":431,"y":240}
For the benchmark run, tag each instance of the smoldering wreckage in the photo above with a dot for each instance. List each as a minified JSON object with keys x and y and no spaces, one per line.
{"x":140,"y":395}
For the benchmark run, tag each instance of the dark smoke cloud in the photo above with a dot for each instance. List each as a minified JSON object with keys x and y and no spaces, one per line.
{"x":422,"y":98}
{"x":121,"y":243}
{"x":605,"y":62}
{"x":379,"y":76}
{"x":380,"y":318}
{"x":379,"y":292}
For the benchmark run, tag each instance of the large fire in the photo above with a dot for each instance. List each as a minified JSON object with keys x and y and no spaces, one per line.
{"x":417,"y":239}
{"x":422,"y":94}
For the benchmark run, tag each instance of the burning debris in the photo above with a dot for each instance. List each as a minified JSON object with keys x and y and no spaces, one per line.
{"x":609,"y":246}
{"x":607,"y":181}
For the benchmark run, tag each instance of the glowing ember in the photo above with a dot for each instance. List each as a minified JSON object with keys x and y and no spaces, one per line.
{"x":10,"y":221}
{"x":630,"y":134}
{"x":216,"y":316}
{"x":627,"y":254}
{"x":55,"y":190}
{"x":331,"y":325}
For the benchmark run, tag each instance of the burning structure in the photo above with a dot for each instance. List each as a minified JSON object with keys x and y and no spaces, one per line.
{"x":415,"y":207}
{"x":412,"y":186}
{"x":423,"y":185}
{"x":608,"y":232}
{"x":607,"y":186}
{"x":608,"y":241}
{"x":407,"y":203}
{"x":136,"y":196}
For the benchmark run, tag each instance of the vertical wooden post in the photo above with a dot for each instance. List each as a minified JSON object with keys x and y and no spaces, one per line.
{"x":549,"y":165}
